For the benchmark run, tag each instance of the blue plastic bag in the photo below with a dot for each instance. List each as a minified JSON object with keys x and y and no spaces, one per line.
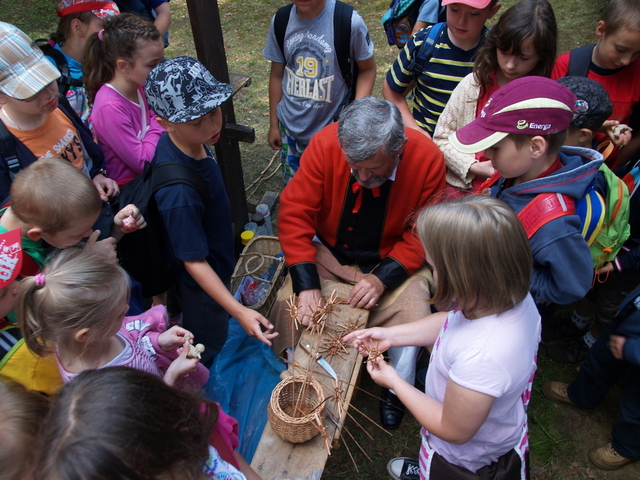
{"x":243,"y":375}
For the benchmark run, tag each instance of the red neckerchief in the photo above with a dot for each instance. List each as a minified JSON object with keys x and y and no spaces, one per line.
{"x":358,"y":188}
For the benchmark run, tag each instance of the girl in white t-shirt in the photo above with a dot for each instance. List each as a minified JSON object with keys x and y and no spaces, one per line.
{"x":484,"y":342}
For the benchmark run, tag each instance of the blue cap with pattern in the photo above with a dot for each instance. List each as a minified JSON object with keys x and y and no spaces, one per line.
{"x":182,"y":89}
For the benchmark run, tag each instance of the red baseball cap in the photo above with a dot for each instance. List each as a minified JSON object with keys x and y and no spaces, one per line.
{"x":472,"y":3}
{"x":526,"y":106}
{"x":10,"y":256}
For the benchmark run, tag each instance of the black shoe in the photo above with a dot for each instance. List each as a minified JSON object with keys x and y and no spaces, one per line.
{"x":573,"y":351}
{"x":391,"y":410}
{"x":561,"y":330}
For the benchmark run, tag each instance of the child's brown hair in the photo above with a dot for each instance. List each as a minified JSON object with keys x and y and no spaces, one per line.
{"x":122,"y":423}
{"x":120,"y":39}
{"x":52,"y":194}
{"x":21,"y":414}
{"x":481,"y":254}
{"x":528,"y":19}
{"x":620,"y":14}
{"x":64,"y":25}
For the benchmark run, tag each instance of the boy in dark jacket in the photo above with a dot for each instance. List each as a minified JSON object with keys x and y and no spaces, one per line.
{"x":521,"y":130}
{"x":616,"y":352}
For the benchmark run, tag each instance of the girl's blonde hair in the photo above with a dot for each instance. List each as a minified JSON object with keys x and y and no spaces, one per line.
{"x":21,"y":415}
{"x":532,"y":19}
{"x":52,"y":194}
{"x":76,"y":290}
{"x":481,"y":254}
{"x":120,"y":39}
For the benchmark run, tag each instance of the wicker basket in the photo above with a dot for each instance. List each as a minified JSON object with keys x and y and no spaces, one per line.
{"x":254,"y":261}
{"x":285,"y":398}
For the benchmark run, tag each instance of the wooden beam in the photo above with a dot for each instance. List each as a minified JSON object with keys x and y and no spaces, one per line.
{"x":207,"y":36}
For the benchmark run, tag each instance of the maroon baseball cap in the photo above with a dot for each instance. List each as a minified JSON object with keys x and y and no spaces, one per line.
{"x":526,"y":106}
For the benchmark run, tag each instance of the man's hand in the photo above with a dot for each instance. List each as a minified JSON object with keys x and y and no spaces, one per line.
{"x":308,"y":302}
{"x":107,"y":188}
{"x":366,"y":292}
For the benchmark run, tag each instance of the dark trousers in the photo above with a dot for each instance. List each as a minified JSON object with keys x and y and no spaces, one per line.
{"x":203,"y":317}
{"x":599,"y":372}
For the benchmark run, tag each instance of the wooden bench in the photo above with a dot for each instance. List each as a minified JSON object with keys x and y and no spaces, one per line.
{"x":277,"y":459}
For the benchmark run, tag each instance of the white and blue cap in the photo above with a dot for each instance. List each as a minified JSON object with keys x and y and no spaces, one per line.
{"x":182,"y":89}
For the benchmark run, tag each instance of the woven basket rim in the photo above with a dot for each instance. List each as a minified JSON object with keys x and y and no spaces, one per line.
{"x":283,"y":416}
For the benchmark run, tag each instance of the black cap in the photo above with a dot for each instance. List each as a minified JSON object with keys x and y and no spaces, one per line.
{"x":593,"y":105}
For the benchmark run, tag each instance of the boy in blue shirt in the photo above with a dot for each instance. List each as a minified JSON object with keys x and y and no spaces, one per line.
{"x":452,"y":59}
{"x":187,"y":99}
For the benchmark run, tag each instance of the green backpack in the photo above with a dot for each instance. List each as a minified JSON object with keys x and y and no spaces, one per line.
{"x":605,"y":220}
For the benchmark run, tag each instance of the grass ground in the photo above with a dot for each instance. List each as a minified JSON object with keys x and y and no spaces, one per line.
{"x":559,"y":437}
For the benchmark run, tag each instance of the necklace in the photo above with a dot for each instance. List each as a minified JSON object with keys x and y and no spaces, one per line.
{"x":10,"y":119}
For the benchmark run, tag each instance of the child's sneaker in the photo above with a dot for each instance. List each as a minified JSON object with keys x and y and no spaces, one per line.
{"x":403,"y":468}
{"x":557,"y":391}
{"x":606,"y":458}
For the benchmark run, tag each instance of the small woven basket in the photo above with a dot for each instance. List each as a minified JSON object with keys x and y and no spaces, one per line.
{"x":255,"y":259}
{"x":303,"y":425}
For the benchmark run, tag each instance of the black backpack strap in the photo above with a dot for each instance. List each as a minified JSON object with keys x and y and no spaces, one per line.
{"x":342,"y":40}
{"x":172,"y":173}
{"x":280,"y":23}
{"x":8,"y":151}
{"x":65,"y":81}
{"x":579,"y":61}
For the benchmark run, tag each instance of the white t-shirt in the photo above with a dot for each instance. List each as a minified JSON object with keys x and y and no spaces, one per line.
{"x":494,"y":355}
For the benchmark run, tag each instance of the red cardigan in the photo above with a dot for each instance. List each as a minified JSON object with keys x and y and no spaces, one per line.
{"x":313,"y":203}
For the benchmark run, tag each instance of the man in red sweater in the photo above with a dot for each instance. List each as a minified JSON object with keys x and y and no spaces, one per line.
{"x":360,"y":183}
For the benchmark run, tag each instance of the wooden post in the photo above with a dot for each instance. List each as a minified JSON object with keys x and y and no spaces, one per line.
{"x":207,"y":35}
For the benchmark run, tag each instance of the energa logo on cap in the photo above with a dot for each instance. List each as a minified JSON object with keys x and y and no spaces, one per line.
{"x":522,"y":124}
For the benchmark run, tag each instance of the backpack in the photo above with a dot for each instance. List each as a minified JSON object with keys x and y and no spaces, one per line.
{"x":147,"y":254}
{"x":579,"y":60}
{"x":341,"y":42}
{"x":604,"y":219}
{"x":65,"y":81}
{"x":425,"y":52}
{"x":399,"y":20}
{"x":18,"y":363}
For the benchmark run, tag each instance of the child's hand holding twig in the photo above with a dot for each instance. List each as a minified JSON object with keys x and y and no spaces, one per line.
{"x":252,"y":321}
{"x":180,"y":367}
{"x":174,"y":338}
{"x":364,"y":340}
{"x":383,"y":374}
